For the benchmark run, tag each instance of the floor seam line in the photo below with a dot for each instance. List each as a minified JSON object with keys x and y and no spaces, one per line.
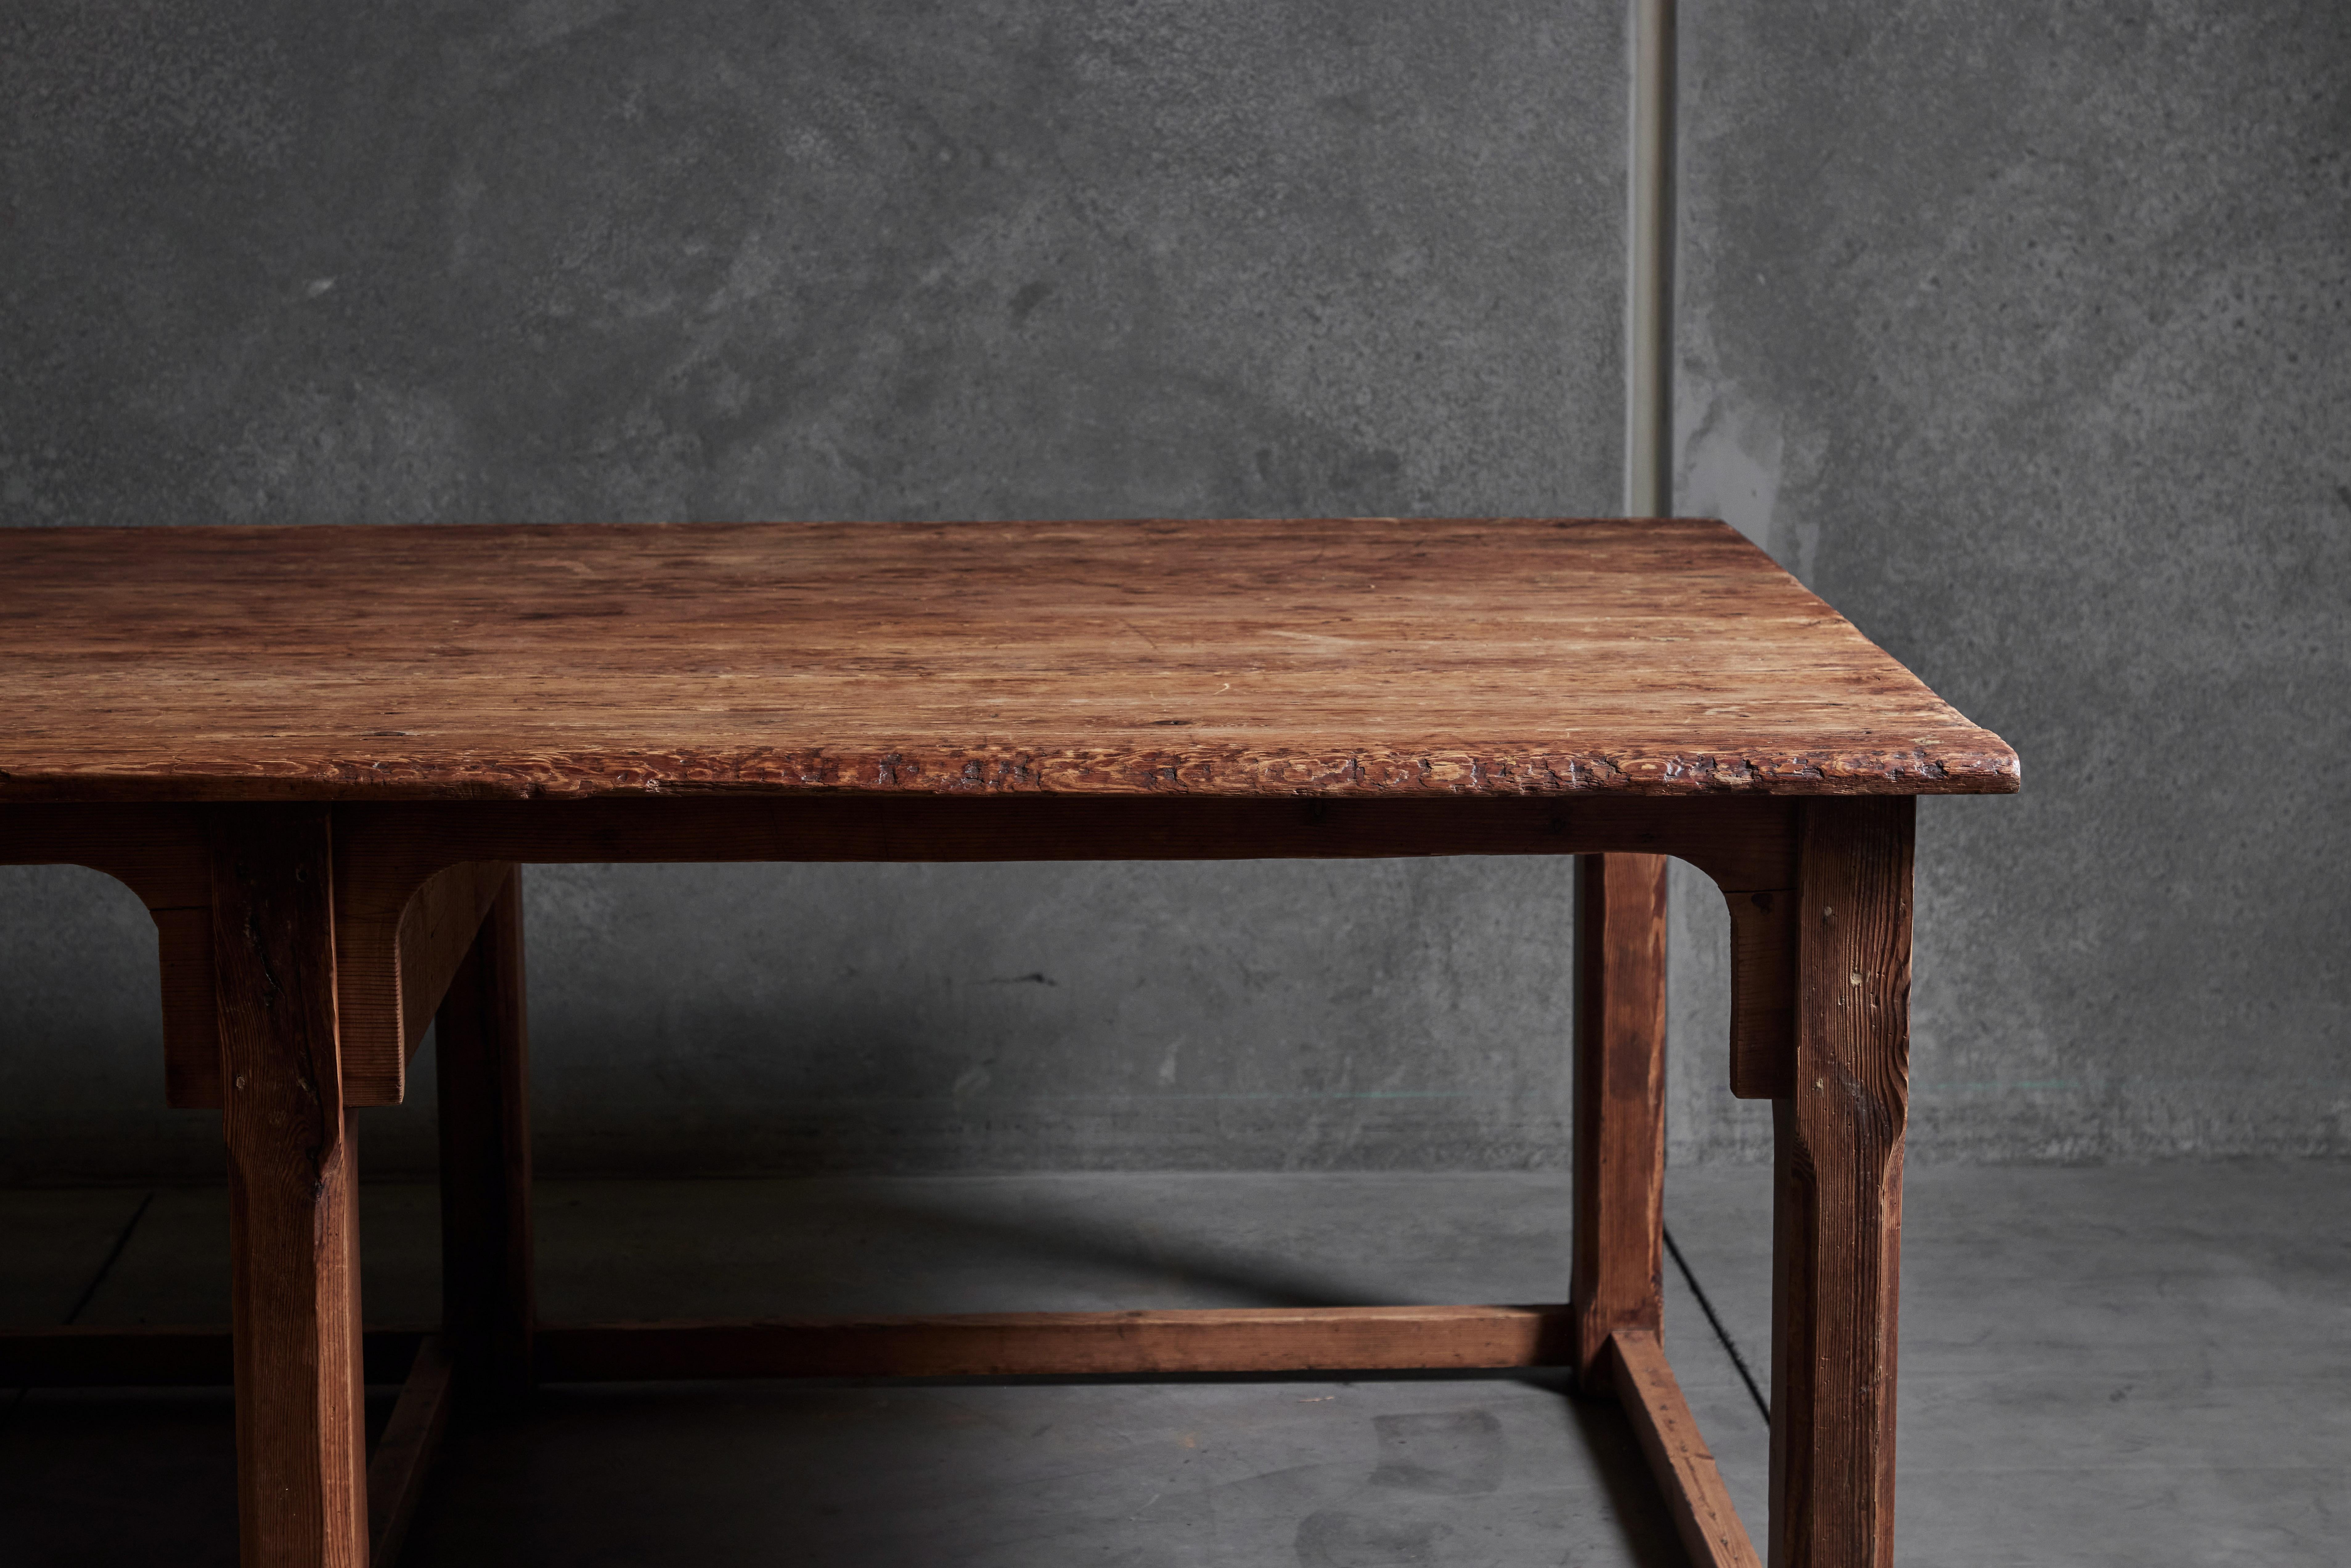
{"x":1690,"y":1277}
{"x":113,"y":1256}
{"x":88,"y":1292}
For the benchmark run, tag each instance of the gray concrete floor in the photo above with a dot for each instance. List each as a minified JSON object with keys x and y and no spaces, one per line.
{"x":2126,"y":1365}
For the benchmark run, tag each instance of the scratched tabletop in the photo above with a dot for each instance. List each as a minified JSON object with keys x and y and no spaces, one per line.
{"x":1344,"y":656}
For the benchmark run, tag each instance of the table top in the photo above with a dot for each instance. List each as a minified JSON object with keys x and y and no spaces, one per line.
{"x":1335,"y":656}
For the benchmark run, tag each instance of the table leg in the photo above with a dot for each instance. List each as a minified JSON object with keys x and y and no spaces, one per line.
{"x":301,"y":1446}
{"x":1620,"y":1105}
{"x":1837,"y":1190}
{"x":488,"y":1310}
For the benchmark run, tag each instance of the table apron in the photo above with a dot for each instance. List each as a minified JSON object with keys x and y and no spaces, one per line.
{"x":411,"y":876}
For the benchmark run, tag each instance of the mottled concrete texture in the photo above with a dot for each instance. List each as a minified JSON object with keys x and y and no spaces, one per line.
{"x":2023,"y":336}
{"x":1261,"y":1014}
{"x":589,"y":261}
{"x":711,"y":260}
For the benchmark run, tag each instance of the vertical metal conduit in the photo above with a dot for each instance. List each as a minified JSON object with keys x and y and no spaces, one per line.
{"x":1649,"y":267}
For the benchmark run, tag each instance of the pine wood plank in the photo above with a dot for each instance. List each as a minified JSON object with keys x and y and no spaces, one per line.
{"x":404,"y":1456}
{"x":389,"y":850}
{"x":1742,"y":841}
{"x":1369,"y":657}
{"x":159,"y":853}
{"x":1039,"y":1344}
{"x":487,"y":1290}
{"x":436,"y":935}
{"x":1062,"y":1345}
{"x":191,"y":1038}
{"x":293,"y":1191}
{"x":1763,"y":991}
{"x":1678,"y":1457}
{"x":1837,"y":1192}
{"x":1620,"y":1105}
{"x":391,"y":973}
{"x":390,"y":855}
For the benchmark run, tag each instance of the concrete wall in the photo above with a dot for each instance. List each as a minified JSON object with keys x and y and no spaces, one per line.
{"x":2023,"y":334}
{"x":725,"y":259}
{"x":2020,"y":334}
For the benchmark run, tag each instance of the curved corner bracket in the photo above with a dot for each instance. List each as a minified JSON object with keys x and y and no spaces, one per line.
{"x":399,"y":940}
{"x":402,"y":925}
{"x":1762,"y":993}
{"x":158,"y":852}
{"x":1756,"y":873}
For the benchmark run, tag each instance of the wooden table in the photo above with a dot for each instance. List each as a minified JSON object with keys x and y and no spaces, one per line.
{"x":318,"y":756}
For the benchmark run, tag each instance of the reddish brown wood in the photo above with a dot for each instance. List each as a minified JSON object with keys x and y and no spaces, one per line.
{"x":1620,"y":1104}
{"x":1837,"y":1202}
{"x":191,"y":1038}
{"x":390,"y":856}
{"x":1062,"y":1345}
{"x":1144,"y":1343}
{"x":1763,"y":992}
{"x":482,"y":1044}
{"x":392,"y":973}
{"x":159,"y":853}
{"x":1678,"y":1457}
{"x":436,"y":935}
{"x":82,"y":1357}
{"x":404,"y":1456}
{"x":1369,"y":657}
{"x":393,"y":966}
{"x":293,"y":1214}
{"x":390,"y":851}
{"x":157,"y":850}
{"x":1741,"y":841}
{"x":975,"y":692}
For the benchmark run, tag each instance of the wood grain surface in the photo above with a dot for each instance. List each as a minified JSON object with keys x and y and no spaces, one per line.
{"x":293,"y":1191}
{"x":436,"y":932}
{"x":1334,"y":657}
{"x":1060,"y":1344}
{"x":388,"y":853}
{"x":1837,"y":1191}
{"x":392,"y":857}
{"x":986,"y":1345}
{"x":1619,"y":1260}
{"x":1704,"y":1515}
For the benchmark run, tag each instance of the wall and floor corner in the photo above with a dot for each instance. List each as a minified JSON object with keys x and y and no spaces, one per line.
{"x":2023,"y":343}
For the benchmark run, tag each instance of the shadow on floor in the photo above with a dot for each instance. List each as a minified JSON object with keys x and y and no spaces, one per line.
{"x":1411,"y":1470}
